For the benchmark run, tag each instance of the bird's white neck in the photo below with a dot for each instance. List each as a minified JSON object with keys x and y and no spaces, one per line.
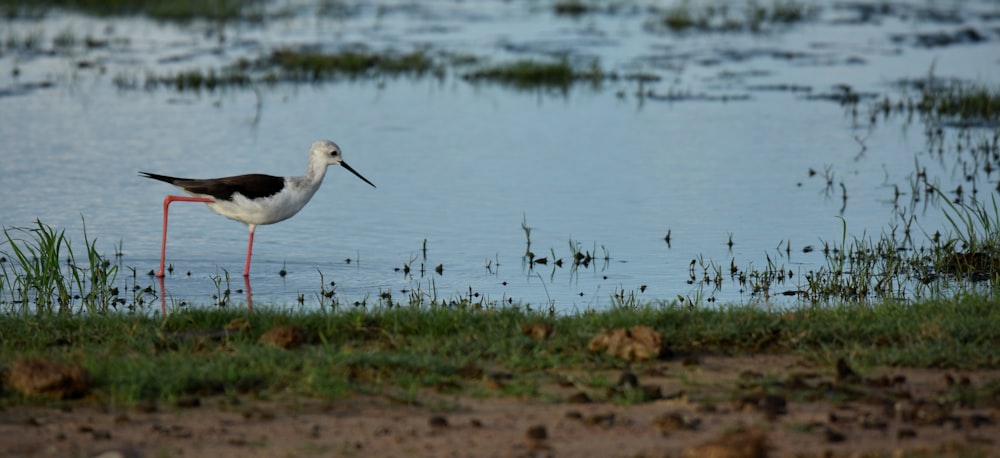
{"x":314,"y":173}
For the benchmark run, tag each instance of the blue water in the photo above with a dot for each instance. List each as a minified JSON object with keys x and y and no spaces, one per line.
{"x":462,"y":166}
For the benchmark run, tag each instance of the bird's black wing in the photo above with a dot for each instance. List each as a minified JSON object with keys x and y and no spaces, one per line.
{"x":250,"y":186}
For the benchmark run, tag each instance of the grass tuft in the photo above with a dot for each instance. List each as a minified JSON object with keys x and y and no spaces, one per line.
{"x":754,"y":17}
{"x":531,"y":74}
{"x":34,"y":279}
{"x":165,"y":10}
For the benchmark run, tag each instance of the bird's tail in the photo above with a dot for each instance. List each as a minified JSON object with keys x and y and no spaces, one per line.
{"x":162,"y":178}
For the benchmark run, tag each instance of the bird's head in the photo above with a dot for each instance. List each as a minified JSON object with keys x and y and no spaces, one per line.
{"x":327,"y":152}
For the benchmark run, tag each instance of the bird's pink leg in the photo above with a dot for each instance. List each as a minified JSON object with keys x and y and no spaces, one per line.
{"x":246,"y":284}
{"x":163,"y":297}
{"x":246,"y":267}
{"x":166,"y":207}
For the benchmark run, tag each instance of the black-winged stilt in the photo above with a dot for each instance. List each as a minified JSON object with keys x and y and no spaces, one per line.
{"x":255,"y":199}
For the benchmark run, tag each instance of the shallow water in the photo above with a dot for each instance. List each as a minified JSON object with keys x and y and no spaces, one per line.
{"x":462,"y":165}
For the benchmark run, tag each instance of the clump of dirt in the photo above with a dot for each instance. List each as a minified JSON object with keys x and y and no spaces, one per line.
{"x":637,"y":343}
{"x":49,"y":379}
{"x":537,"y":330}
{"x":238,"y":324}
{"x":738,"y":444}
{"x":284,"y":336}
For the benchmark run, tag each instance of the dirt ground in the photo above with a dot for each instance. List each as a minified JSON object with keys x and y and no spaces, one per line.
{"x":712,"y":406}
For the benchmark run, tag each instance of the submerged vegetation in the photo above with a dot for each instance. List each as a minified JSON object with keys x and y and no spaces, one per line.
{"x":166,"y":10}
{"x":969,"y":103}
{"x":289,"y":65}
{"x":528,"y":74}
{"x":753,"y":17}
{"x":315,"y":66}
{"x":868,"y":269}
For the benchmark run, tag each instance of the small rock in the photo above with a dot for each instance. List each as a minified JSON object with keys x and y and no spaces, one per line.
{"x":607,"y":419}
{"x":537,"y":433}
{"x":438,"y":421}
{"x":845,"y":374}
{"x":834,"y":436}
{"x":113,"y":454}
{"x":536,"y":437}
{"x":675,"y":421}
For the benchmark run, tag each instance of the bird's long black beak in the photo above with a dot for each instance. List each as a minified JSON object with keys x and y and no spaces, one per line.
{"x":344,"y":164}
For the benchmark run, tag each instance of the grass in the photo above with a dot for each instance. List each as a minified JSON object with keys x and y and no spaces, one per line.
{"x":754,"y":17}
{"x":532,"y":74}
{"x":876,"y":269}
{"x":571,"y":8}
{"x":316,"y":66}
{"x":34,"y":278}
{"x":289,"y":65}
{"x":166,"y":10}
{"x":139,"y":357}
{"x":945,"y":102}
{"x":965,"y":102}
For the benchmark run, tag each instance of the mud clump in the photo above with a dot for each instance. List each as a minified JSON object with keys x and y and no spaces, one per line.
{"x":284,"y":336}
{"x":741,"y":444}
{"x":50,"y":379}
{"x":537,"y":330}
{"x":632,"y":344}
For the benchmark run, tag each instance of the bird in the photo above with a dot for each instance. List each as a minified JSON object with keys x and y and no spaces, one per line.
{"x":255,"y":199}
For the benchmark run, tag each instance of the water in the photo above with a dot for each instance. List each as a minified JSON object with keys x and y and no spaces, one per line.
{"x":460,"y":166}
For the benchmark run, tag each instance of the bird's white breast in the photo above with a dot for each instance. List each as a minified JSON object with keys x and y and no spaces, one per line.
{"x":267,"y":210}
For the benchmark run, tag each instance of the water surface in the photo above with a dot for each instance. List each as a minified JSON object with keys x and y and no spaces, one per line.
{"x":461,"y":166}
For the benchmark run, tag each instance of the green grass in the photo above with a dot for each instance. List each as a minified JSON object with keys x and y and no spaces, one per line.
{"x":289,"y":65}
{"x":532,"y":74}
{"x":754,"y":16}
{"x":33,"y":277}
{"x":401,"y":350}
{"x":965,"y":102}
{"x":315,"y":66}
{"x":945,"y":102}
{"x":167,"y":10}
{"x":965,"y":258}
{"x":571,"y":8}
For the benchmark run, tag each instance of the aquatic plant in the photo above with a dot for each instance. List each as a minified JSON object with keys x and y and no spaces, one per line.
{"x":288,"y":65}
{"x":166,"y":10}
{"x":868,"y":269}
{"x":723,"y":17}
{"x":32,"y":276}
{"x":964,"y":102}
{"x":314,"y":66}
{"x":532,"y":74}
